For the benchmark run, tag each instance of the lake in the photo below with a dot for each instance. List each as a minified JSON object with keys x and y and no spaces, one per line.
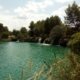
{"x":16,"y":57}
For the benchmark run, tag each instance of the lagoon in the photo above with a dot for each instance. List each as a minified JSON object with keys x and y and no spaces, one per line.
{"x":16,"y":57}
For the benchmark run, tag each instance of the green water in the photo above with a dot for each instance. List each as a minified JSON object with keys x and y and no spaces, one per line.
{"x":17,"y":56}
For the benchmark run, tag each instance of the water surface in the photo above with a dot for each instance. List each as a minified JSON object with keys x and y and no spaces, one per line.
{"x":14,"y":57}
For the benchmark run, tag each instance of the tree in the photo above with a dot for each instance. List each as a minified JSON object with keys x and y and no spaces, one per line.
{"x":74,"y":43}
{"x":47,"y":26}
{"x":23,"y":34}
{"x":50,"y":23}
{"x":73,"y":16}
{"x":1,"y":27}
{"x":15,"y":32}
{"x":31,"y":31}
{"x":39,"y":28}
{"x":5,"y":35}
{"x":23,"y":30}
{"x":6,"y":29}
{"x":57,"y":33}
{"x":5,"y":32}
{"x":55,"y":21}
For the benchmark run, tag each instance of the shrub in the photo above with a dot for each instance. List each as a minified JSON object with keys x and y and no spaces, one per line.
{"x":74,"y":43}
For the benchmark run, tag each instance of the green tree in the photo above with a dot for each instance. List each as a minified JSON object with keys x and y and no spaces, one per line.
{"x":73,"y":16}
{"x":39,"y":28}
{"x":55,"y":21}
{"x":5,"y":32}
{"x":23,"y":34}
{"x":31,"y":31}
{"x":50,"y":23}
{"x":74,"y":43}
{"x":6,"y":29}
{"x":47,"y":26}
{"x":5,"y":35}
{"x":15,"y":32}
{"x":57,"y":33}
{"x":23,"y":30}
{"x":1,"y":27}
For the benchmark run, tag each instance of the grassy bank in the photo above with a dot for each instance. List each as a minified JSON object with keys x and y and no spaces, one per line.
{"x":67,"y":68}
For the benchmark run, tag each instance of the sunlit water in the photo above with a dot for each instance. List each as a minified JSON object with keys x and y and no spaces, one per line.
{"x":16,"y":57}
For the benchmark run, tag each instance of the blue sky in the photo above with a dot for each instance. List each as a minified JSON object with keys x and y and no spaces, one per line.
{"x":18,"y":13}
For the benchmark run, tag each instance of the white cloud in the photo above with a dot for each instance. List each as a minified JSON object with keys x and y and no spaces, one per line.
{"x":31,"y":11}
{"x":64,"y":1}
{"x":23,"y":15}
{"x":33,"y":7}
{"x":60,"y":12}
{"x":7,"y":11}
{"x":1,"y":7}
{"x":10,"y":20}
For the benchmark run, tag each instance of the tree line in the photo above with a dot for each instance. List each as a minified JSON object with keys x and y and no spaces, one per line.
{"x":51,"y":30}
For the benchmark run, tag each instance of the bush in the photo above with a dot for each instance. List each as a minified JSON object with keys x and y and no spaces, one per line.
{"x":74,"y":43}
{"x":58,"y":32}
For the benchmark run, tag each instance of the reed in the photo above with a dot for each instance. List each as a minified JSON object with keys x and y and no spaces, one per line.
{"x":67,"y":68}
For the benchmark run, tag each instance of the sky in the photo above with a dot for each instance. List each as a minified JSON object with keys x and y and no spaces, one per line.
{"x":19,"y":13}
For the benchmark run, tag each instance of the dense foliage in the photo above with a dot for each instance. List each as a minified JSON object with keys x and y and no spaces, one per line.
{"x":73,"y":16}
{"x":4,"y":32}
{"x":58,"y":34}
{"x":74,"y":43}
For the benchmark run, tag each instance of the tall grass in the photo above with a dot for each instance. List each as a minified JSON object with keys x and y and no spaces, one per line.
{"x":62,"y":69}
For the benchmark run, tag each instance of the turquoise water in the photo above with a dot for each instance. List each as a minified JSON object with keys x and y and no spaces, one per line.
{"x":14,"y":57}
